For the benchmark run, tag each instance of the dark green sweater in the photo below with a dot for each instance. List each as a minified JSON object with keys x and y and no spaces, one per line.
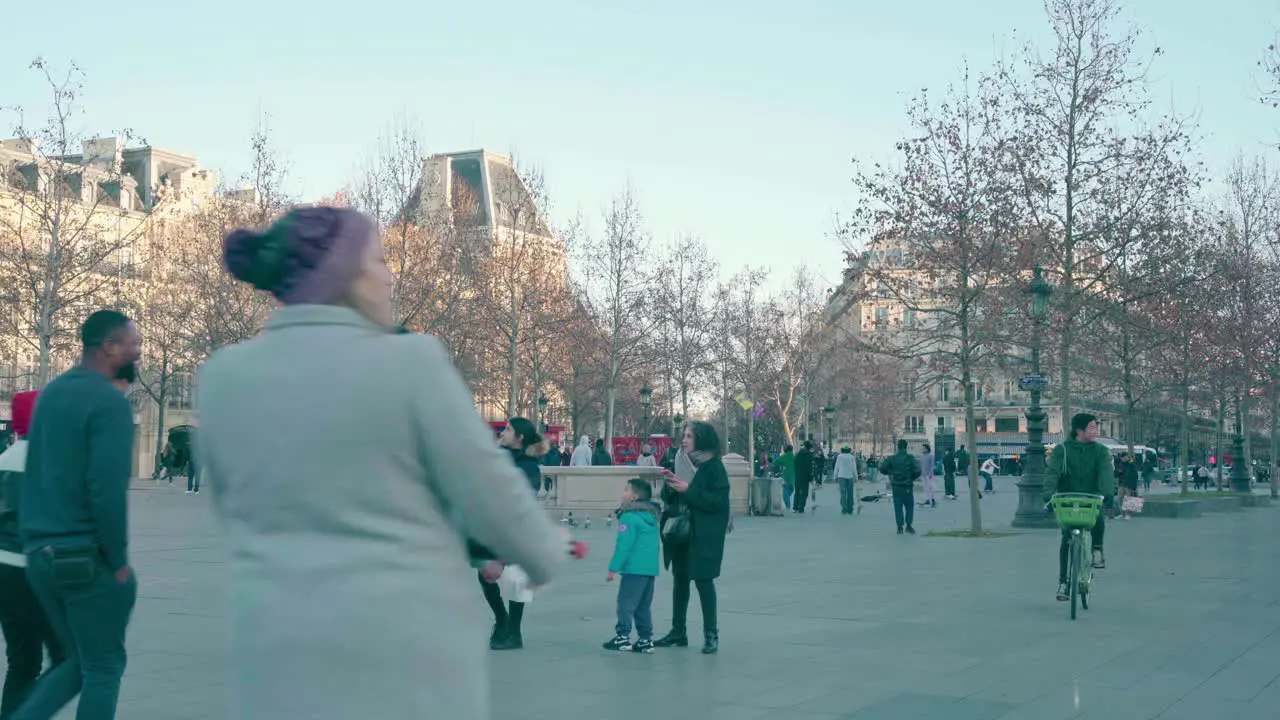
{"x":1078,"y":467}
{"x":79,"y":452}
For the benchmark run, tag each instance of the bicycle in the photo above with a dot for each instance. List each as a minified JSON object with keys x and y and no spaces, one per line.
{"x":1078,"y":513}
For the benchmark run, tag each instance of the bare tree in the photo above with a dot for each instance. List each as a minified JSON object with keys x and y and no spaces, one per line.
{"x":682,"y":309}
{"x":162,"y":307}
{"x":1087,"y":173}
{"x":225,"y":311}
{"x":71,"y":222}
{"x":800,"y":350}
{"x":1248,"y":243}
{"x":432,"y":259}
{"x":523,"y":302}
{"x":945,"y":235}
{"x":619,"y":290}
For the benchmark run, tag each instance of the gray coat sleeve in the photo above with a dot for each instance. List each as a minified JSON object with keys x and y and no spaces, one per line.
{"x":476,"y":481}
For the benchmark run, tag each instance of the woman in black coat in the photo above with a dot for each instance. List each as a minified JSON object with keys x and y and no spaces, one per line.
{"x":705,"y":501}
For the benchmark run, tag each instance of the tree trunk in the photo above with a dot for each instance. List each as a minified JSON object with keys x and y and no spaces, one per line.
{"x":1184,"y":433}
{"x":1217,"y":440}
{"x":1275,"y":428}
{"x":971,"y":443}
{"x":513,"y":380}
{"x":1243,"y":408}
{"x":162,"y":403}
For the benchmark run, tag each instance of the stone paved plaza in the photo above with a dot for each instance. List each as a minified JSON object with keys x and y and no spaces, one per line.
{"x":826,"y":617}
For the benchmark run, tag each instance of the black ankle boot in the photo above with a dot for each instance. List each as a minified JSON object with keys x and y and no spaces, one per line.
{"x":711,"y":644}
{"x":675,"y":638}
{"x":498,"y":637}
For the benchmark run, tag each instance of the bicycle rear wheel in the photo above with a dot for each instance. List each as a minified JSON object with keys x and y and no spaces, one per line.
{"x":1073,"y":571}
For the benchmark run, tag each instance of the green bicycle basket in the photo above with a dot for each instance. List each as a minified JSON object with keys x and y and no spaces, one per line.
{"x":1076,"y":510}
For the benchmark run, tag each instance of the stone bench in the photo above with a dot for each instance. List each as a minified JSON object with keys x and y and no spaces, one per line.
{"x":1172,"y":508}
{"x":595,"y":492}
{"x":1227,"y":502}
{"x":1254,"y":501}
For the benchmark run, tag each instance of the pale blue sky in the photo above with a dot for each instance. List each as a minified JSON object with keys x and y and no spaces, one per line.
{"x":735,"y":121}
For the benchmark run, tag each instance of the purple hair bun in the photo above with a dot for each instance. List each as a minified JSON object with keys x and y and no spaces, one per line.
{"x":308,"y":256}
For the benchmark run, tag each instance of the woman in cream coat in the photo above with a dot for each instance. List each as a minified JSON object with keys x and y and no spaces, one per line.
{"x":348,"y":466}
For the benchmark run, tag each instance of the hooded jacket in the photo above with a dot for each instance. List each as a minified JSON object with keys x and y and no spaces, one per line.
{"x":638,"y":546}
{"x":582,"y":453}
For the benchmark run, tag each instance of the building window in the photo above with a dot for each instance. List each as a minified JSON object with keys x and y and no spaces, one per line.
{"x":1006,"y":424}
{"x":945,"y":392}
{"x":882,"y":318}
{"x":915,"y":425}
{"x":908,"y":318}
{"x":980,"y":425}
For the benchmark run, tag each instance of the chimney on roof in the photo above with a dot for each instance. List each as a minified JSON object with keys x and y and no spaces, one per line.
{"x":103,"y":154}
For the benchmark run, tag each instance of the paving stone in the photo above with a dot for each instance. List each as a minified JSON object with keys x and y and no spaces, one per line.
{"x":823,"y":616}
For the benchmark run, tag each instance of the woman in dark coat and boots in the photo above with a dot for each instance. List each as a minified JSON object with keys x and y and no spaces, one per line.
{"x":522,"y":440}
{"x":705,"y":501}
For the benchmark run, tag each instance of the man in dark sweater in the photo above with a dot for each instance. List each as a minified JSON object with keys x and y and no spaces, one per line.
{"x":804,"y":474}
{"x":902,"y":470}
{"x":74,"y":520}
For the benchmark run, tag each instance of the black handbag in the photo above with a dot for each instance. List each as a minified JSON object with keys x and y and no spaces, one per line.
{"x":676,"y":530}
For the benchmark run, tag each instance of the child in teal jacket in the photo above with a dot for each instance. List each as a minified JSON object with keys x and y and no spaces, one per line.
{"x":636,"y":559}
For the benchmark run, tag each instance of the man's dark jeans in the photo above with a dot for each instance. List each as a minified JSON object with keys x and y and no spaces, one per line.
{"x":90,"y":620}
{"x":26,"y":635}
{"x":1097,"y":534}
{"x":904,"y":504}
{"x":193,"y":477}
{"x":801,"y":496}
{"x":949,"y":484}
{"x":846,"y":495}
{"x":635,"y":599}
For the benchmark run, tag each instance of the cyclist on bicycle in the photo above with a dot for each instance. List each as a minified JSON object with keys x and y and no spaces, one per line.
{"x":1080,"y":465}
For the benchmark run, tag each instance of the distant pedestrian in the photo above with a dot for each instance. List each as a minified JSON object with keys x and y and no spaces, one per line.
{"x":636,"y":557}
{"x":902,"y":469}
{"x":646,"y":458}
{"x":786,"y":466}
{"x":552,"y":458}
{"x":949,"y":475}
{"x":601,"y":456}
{"x":27,"y":632}
{"x":582,"y":454}
{"x":846,"y":472}
{"x":926,"y":476}
{"x":75,"y":520}
{"x":988,"y":471}
{"x":804,"y":475}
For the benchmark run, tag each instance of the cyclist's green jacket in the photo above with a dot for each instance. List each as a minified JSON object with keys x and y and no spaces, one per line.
{"x":1081,"y":468}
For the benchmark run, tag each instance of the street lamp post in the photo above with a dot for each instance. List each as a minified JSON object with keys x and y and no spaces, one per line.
{"x":542,"y":411}
{"x":646,"y":402}
{"x":1031,"y":512}
{"x":830,"y":412}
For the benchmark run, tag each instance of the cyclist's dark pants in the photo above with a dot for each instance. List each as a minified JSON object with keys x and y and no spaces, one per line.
{"x":1098,"y":531}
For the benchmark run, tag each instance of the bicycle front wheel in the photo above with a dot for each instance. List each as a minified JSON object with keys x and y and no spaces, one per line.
{"x":1073,"y":570}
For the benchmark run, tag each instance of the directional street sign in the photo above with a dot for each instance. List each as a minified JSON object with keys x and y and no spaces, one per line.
{"x":1034,"y":381}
